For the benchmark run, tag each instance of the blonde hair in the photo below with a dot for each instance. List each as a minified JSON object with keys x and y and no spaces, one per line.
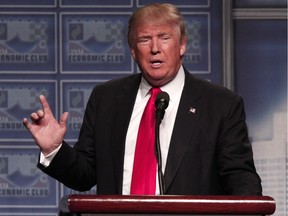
{"x":155,"y":13}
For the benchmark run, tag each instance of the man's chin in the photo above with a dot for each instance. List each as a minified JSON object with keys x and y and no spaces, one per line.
{"x":157,"y":81}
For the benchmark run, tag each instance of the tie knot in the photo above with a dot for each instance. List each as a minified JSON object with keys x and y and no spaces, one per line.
{"x":155,"y":91}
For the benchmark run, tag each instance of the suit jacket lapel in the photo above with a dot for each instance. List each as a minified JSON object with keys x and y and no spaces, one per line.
{"x":187,"y":117}
{"x":124,"y":103}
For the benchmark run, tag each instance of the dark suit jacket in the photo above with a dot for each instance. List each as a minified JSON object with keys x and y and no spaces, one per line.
{"x":209,"y":151}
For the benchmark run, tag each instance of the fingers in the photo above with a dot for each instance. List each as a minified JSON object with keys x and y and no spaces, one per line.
{"x":38,"y":115}
{"x":26,"y":122}
{"x":45,"y":105}
{"x":35,"y":116}
{"x":63,"y":119}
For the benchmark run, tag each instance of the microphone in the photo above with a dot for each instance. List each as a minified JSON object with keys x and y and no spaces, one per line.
{"x":161,"y":103}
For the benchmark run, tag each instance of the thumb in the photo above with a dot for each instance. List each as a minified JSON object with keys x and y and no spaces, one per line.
{"x":63,"y":119}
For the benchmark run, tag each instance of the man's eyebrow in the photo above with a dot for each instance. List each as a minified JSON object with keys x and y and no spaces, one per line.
{"x":164,"y":33}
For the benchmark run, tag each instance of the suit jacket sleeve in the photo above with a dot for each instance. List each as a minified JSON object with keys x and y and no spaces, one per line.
{"x":75,"y":167}
{"x":97,"y":157}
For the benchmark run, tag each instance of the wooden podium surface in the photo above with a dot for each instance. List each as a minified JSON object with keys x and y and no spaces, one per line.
{"x":169,"y":204}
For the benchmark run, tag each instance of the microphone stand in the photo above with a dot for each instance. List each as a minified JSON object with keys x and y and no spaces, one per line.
{"x":161,"y":103}
{"x":158,"y":155}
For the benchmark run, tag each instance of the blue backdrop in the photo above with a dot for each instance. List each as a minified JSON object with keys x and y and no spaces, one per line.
{"x":62,"y":49}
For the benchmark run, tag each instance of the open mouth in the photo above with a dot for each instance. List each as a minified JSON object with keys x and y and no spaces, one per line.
{"x":156,"y":63}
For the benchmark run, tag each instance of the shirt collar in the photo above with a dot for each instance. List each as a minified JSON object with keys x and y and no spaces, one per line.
{"x":173,"y":88}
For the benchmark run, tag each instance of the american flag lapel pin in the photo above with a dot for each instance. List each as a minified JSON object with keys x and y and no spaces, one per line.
{"x":192,"y":110}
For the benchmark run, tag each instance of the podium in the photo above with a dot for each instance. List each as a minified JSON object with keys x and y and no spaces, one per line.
{"x":85,"y":205}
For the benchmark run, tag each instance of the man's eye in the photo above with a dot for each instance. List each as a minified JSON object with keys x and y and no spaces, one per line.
{"x":165,"y":38}
{"x":143,"y":40}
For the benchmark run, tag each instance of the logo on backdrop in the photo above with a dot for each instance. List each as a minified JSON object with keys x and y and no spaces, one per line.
{"x":197,"y":56}
{"x":17,"y":180}
{"x":27,"y":42}
{"x":94,"y":42}
{"x":23,"y":41}
{"x":87,"y":46}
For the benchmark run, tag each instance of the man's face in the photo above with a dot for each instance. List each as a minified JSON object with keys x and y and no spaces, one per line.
{"x":158,"y":51}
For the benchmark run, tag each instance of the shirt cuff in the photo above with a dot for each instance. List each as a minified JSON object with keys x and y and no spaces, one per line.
{"x":46,"y":160}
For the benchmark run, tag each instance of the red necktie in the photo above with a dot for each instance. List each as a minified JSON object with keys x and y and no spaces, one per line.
{"x":144,"y":168}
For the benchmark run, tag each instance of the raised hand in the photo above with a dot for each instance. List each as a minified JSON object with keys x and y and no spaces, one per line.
{"x":47,"y":132}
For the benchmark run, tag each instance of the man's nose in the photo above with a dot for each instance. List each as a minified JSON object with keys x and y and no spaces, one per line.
{"x":155,"y":46}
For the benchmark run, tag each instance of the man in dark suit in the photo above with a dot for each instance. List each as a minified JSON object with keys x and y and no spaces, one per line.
{"x":204,"y":140}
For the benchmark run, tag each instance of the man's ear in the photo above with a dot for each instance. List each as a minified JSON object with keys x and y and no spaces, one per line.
{"x":133,"y":52}
{"x":183,"y":46}
{"x":182,"y":50}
